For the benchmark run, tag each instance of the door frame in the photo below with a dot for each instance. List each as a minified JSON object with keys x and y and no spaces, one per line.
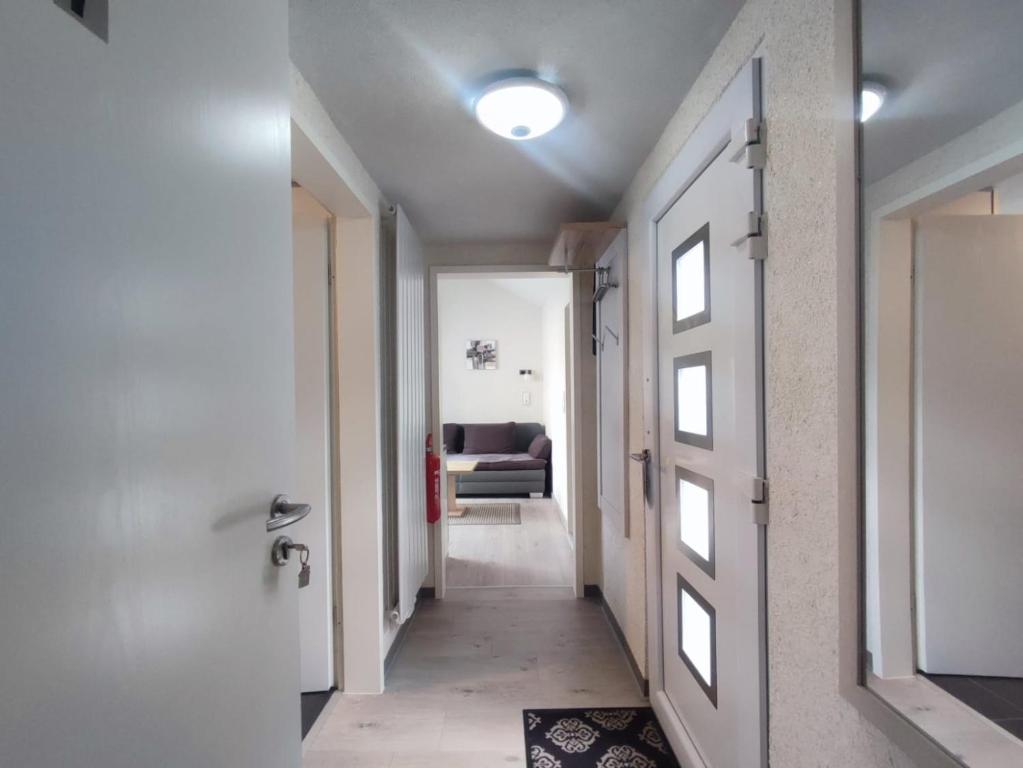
{"x":356,"y":540}
{"x":439,"y":535}
{"x":708,"y":140}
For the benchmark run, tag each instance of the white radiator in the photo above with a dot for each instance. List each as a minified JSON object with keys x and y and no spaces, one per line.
{"x":410,"y":421}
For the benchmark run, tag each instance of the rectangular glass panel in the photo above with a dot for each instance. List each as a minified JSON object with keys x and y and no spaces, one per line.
{"x":697,"y":637}
{"x":694,"y":517}
{"x":692,"y":400}
{"x":689,"y":283}
{"x":690,"y":275}
{"x":693,"y":394}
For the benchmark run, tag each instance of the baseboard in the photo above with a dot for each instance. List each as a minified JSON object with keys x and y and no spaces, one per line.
{"x":593,"y":592}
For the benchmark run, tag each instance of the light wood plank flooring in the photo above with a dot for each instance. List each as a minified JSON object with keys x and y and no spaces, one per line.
{"x":535,"y":553}
{"x":469,"y":665}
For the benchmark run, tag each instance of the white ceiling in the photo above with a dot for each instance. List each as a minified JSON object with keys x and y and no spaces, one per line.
{"x":949,"y":65}
{"x":398,"y":78}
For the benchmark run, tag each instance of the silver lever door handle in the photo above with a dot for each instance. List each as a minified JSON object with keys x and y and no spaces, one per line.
{"x":643,"y":457}
{"x":283,"y":513}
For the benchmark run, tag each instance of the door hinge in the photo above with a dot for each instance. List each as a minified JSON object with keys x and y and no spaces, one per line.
{"x":747,"y":146}
{"x":758,"y":501}
{"x":754,"y":240}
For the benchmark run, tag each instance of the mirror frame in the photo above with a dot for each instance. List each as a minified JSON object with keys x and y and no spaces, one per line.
{"x":918,"y":745}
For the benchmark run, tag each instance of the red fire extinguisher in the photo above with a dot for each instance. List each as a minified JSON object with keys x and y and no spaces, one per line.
{"x":432,"y":482}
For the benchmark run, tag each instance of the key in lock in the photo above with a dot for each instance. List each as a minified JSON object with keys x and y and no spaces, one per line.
{"x":281,"y":555}
{"x":303,"y":559}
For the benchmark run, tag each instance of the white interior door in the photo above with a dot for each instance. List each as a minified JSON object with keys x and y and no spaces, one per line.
{"x":711,"y":548}
{"x":146,"y":388}
{"x":310,"y":255}
{"x":968,"y":277}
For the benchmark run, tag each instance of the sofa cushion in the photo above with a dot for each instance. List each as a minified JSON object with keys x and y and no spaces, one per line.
{"x":540,"y":448}
{"x":454,"y":438}
{"x":489,"y":438}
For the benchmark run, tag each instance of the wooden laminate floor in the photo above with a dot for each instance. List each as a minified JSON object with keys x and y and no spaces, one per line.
{"x":468,"y":667}
{"x":535,"y":553}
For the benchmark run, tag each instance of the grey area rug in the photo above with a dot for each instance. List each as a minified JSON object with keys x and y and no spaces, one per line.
{"x":489,"y":514}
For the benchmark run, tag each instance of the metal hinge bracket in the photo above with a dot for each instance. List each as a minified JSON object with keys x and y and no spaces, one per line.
{"x":758,"y":501}
{"x":747,"y":146}
{"x":754,"y":241}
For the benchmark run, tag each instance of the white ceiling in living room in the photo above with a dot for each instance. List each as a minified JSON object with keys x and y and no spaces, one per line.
{"x":398,"y":78}
{"x":534,"y":287}
{"x":536,"y":290}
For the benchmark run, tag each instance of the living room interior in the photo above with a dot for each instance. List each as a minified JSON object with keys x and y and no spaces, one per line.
{"x":503,"y":355}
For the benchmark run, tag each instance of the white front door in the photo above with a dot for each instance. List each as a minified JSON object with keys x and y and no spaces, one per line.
{"x":711,"y":547}
{"x":968,"y":278}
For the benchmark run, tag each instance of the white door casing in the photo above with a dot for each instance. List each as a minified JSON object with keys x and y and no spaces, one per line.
{"x":968,"y":339}
{"x":708,"y":664}
{"x":310,"y":254}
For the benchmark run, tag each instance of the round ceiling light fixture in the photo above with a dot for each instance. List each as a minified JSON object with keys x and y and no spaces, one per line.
{"x":871,"y":99}
{"x":521,"y":108}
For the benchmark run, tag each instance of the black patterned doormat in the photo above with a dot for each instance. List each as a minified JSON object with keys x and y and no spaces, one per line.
{"x":595,"y":738}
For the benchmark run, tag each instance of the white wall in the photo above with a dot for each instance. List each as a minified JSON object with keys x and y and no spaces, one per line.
{"x":480,"y":308}
{"x":1009,"y":195}
{"x":555,"y":396}
{"x":490,"y":254}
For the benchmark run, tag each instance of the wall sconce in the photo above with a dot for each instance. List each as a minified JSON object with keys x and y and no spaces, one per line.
{"x":526,"y":374}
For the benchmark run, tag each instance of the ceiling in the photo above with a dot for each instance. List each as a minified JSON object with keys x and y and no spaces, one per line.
{"x":398,"y":78}
{"x":949,"y":65}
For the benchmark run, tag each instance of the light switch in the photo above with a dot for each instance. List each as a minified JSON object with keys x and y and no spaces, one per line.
{"x":527,"y":398}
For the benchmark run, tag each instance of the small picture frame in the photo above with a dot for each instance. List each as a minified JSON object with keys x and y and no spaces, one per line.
{"x":481,"y":355}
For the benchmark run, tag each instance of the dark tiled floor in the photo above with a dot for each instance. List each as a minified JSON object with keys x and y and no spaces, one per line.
{"x":312,"y":705}
{"x":997,"y":698}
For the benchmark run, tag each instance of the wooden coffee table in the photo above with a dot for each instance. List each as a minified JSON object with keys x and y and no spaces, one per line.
{"x":456,"y":468}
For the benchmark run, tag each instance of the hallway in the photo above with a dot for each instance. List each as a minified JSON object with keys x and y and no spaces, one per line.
{"x":535,"y":553}
{"x":469,"y":666}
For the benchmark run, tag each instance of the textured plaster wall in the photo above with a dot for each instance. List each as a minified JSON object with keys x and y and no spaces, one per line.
{"x":810,"y":724}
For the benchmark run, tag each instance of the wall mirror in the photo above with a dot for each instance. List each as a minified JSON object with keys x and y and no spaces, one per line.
{"x":941,"y":163}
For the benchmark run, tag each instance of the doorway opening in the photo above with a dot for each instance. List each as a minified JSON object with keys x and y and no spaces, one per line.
{"x":333,"y":239}
{"x":503,"y":368}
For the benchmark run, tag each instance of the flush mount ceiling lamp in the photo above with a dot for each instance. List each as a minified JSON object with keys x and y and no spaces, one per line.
{"x":521,"y":108}
{"x":871,"y":99}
